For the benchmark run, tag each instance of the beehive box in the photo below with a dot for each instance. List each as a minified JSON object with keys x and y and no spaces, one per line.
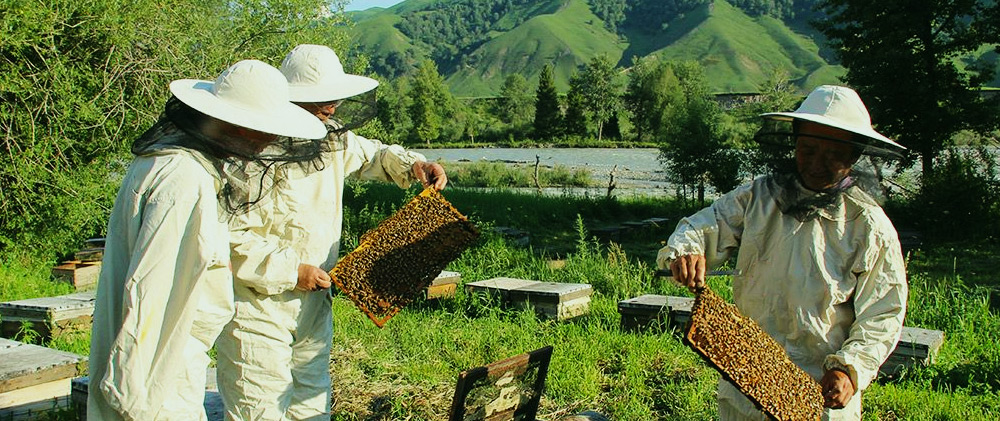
{"x":657,"y":312}
{"x":444,"y":286}
{"x":497,"y":289}
{"x":214,"y":408}
{"x":751,"y":360}
{"x":916,"y":346}
{"x":399,"y":258}
{"x":554,"y":300}
{"x":48,"y":316}
{"x":34,"y":379}
{"x":81,"y":275}
{"x":509,"y":389}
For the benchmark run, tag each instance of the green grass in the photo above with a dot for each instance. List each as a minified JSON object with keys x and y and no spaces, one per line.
{"x":408,"y":369}
{"x":496,"y":174}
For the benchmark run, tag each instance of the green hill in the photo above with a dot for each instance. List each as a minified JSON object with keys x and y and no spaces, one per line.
{"x":478,"y":43}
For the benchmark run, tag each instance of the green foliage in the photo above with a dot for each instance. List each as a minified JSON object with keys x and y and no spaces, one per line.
{"x":430,"y":103}
{"x":80,"y":79}
{"x":516,"y":106}
{"x":598,"y":87}
{"x":739,"y":42}
{"x":548,"y":114}
{"x":694,"y":150}
{"x":961,"y":198}
{"x":886,"y":42}
{"x":499,"y":175}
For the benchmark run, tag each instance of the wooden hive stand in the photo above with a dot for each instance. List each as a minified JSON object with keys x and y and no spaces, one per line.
{"x":35,"y":380}
{"x":48,"y":316}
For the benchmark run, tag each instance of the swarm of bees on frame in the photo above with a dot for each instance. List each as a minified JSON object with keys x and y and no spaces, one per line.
{"x":750,"y":359}
{"x":400,"y":257}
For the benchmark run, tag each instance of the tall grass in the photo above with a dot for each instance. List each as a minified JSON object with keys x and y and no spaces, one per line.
{"x":408,"y":370}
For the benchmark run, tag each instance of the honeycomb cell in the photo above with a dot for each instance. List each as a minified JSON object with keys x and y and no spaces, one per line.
{"x":749,"y":358}
{"x":399,"y":258}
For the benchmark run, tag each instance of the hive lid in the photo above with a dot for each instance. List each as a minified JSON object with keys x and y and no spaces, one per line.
{"x":402,"y":255}
{"x":751,"y":360}
{"x":551,"y":292}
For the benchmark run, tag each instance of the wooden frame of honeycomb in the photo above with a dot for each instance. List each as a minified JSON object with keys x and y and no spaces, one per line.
{"x":399,"y":258}
{"x":751,"y":360}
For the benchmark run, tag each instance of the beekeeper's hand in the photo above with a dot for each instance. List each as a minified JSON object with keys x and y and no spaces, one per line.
{"x":689,"y":271}
{"x":837,"y":389}
{"x":312,"y":278}
{"x":430,"y":174}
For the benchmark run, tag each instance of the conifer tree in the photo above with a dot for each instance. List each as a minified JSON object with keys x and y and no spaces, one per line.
{"x":548,"y":115}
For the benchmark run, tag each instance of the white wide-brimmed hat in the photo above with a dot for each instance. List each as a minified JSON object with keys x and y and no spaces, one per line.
{"x":251,"y":94}
{"x":315,"y":74}
{"x":841,"y":107}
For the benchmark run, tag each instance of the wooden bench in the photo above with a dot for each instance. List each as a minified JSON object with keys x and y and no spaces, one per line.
{"x":48,"y":316}
{"x":35,"y":380}
{"x":554,"y":300}
{"x":659,"y":313}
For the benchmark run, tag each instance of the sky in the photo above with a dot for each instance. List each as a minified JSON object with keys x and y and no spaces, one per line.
{"x":364,"y":4}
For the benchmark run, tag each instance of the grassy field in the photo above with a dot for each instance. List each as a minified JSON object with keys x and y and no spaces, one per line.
{"x":408,"y":369}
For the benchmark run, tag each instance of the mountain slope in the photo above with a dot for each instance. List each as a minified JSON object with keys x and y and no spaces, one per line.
{"x":738,"y":51}
{"x":566,"y":39}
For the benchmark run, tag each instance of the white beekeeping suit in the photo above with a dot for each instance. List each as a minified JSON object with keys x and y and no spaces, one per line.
{"x":165,"y":289}
{"x":274,"y":357}
{"x":820,"y":271}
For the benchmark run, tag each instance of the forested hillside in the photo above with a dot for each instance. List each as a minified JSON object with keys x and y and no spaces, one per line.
{"x":477,"y":43}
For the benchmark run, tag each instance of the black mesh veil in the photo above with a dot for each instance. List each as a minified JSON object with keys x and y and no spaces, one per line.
{"x":776,"y":152}
{"x":354,"y":112}
{"x":247,"y":173}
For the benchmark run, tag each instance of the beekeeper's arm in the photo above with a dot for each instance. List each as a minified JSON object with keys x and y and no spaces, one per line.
{"x":706,"y":238}
{"x":170,"y":255}
{"x":879,"y":307}
{"x":263,"y":253}
{"x":370,"y":159}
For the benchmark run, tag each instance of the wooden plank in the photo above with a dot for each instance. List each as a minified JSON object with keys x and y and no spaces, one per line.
{"x":48,"y":315}
{"x":33,"y":401}
{"x":560,"y":312}
{"x":447,"y":277}
{"x":23,"y":365}
{"x":550,"y":292}
{"x":441,"y":291}
{"x":497,"y":288}
{"x":81,"y":275}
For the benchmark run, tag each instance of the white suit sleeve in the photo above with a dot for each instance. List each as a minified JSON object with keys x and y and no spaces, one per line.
{"x":714,"y":231}
{"x":262,"y":253}
{"x":370,"y":159}
{"x":879,"y":307}
{"x":170,"y":255}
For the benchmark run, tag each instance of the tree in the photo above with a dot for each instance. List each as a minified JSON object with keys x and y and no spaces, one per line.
{"x":651,"y":82}
{"x":80,"y":80}
{"x":693,"y":147}
{"x":599,"y":88}
{"x":904,"y":61}
{"x":516,"y":107}
{"x":430,"y":102}
{"x":548,"y":114}
{"x":575,"y":122}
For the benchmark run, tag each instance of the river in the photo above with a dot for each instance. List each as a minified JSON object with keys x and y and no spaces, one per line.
{"x":637,"y":170}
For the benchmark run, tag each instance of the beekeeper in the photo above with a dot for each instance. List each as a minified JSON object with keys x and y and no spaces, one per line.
{"x":818,"y":265}
{"x":165,"y":288}
{"x":274,"y":357}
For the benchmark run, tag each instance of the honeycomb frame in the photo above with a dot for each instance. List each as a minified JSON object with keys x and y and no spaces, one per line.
{"x":399,"y":258}
{"x":752,"y":360}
